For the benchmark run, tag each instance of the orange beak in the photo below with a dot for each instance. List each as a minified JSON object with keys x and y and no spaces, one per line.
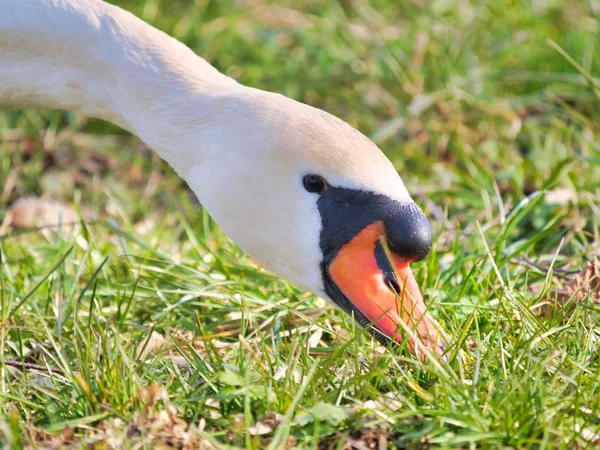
{"x":388,"y":297}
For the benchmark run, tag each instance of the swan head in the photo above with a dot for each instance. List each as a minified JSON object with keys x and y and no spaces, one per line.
{"x":315,"y":201}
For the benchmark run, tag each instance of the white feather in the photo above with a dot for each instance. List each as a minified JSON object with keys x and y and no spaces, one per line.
{"x":243,"y":151}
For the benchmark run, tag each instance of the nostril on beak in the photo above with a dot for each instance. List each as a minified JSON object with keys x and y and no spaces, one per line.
{"x":408,"y":233}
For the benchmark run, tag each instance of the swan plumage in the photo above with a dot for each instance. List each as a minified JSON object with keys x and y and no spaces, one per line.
{"x":243,"y":151}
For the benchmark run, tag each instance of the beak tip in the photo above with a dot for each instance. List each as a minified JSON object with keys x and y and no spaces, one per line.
{"x":410,"y":235}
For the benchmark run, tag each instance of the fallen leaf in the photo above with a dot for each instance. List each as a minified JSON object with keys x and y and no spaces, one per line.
{"x":67,"y":436}
{"x":30,"y":212}
{"x":153,"y":394}
{"x":272,"y":419}
{"x":151,"y":345}
{"x":586,"y":283}
{"x":259,"y":429}
{"x":561,"y":196}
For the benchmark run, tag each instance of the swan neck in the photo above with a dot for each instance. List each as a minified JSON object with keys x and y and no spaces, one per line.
{"x":97,"y":59}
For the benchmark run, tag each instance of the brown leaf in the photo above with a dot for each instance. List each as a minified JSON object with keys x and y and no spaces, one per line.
{"x":29,"y":212}
{"x":272,"y":419}
{"x":152,"y":344}
{"x":584,"y":284}
{"x":67,"y":435}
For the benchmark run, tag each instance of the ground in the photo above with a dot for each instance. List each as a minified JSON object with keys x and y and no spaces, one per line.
{"x":145,"y":326}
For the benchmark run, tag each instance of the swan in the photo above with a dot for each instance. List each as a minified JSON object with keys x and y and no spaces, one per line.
{"x":301,"y":191}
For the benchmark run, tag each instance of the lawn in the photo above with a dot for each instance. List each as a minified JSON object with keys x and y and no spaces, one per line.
{"x":145,"y":326}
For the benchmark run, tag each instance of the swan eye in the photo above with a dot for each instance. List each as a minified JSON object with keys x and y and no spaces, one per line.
{"x":314,"y":183}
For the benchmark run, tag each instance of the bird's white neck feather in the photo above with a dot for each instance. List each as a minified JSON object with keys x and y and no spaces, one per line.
{"x":97,"y":59}
{"x":243,"y":151}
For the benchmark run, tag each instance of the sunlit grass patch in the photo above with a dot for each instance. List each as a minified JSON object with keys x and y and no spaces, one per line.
{"x":142,"y":324}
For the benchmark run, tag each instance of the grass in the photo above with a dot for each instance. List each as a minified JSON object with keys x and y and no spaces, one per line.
{"x":152,"y":328}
